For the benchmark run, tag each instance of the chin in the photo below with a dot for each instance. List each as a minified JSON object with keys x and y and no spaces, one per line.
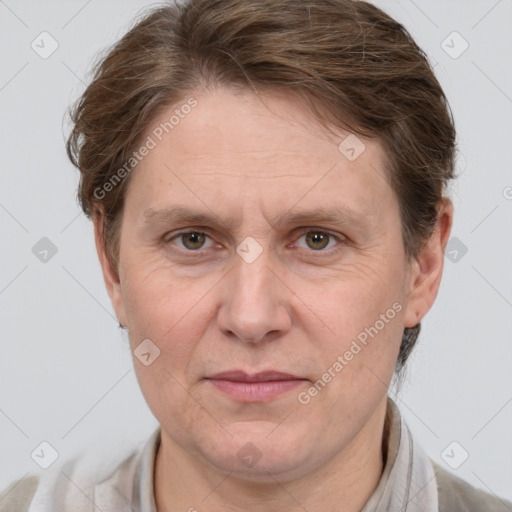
{"x":259,"y":451}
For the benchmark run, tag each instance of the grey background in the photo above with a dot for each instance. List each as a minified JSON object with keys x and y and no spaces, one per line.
{"x":65,"y":367}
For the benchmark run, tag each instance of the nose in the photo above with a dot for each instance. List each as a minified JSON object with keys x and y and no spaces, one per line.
{"x":255,"y":305}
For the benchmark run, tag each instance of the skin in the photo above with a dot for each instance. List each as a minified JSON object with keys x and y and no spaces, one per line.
{"x":296,"y":308}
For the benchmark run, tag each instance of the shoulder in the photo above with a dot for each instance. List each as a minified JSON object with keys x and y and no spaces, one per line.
{"x":69,"y":485}
{"x":18,"y":495}
{"x":110,"y":476}
{"x":457,"y":495}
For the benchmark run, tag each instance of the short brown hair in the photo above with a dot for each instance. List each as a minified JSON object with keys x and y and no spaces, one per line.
{"x":349,"y":57}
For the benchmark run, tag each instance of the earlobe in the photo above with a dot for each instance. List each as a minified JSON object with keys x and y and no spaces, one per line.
{"x":110,"y":274}
{"x":427,"y":269}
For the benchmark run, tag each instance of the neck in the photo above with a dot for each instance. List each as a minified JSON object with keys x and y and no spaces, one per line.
{"x":345,"y":482}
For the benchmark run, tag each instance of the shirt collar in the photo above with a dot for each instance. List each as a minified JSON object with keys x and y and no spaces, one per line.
{"x":408,"y":482}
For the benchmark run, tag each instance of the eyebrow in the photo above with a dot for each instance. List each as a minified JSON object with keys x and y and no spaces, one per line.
{"x":339,"y":215}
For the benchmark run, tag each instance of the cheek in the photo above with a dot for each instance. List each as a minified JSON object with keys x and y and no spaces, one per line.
{"x":356,"y":299}
{"x":358,"y":361}
{"x":364,"y":316}
{"x":151,"y":296}
{"x":169,"y":313}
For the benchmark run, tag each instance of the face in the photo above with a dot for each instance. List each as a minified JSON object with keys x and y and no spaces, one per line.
{"x":251,"y":243}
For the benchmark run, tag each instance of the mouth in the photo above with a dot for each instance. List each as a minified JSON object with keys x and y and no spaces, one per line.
{"x":258,"y":387}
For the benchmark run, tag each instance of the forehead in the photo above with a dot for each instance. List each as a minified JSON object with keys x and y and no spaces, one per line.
{"x":267,"y":149}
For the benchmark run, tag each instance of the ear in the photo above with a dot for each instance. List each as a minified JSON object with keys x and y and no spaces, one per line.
{"x":427,"y":269}
{"x":110,"y":274}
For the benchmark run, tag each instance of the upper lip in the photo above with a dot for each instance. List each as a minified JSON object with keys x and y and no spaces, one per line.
{"x":241,"y":376}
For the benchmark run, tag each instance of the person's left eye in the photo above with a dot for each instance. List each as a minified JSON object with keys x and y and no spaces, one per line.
{"x":319,"y":241}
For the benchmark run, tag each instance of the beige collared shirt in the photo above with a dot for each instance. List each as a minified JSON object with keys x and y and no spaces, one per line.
{"x":410,"y":482}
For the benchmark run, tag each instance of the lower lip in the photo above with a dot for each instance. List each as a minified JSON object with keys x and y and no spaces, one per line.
{"x":255,"y":391}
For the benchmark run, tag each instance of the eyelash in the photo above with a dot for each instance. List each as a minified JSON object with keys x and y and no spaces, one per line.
{"x":305,"y":231}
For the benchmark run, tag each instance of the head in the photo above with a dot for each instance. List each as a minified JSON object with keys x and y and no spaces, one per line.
{"x":267,"y":183}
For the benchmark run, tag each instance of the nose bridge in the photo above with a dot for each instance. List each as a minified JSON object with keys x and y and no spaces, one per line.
{"x":254,"y":302}
{"x":252,"y":278}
